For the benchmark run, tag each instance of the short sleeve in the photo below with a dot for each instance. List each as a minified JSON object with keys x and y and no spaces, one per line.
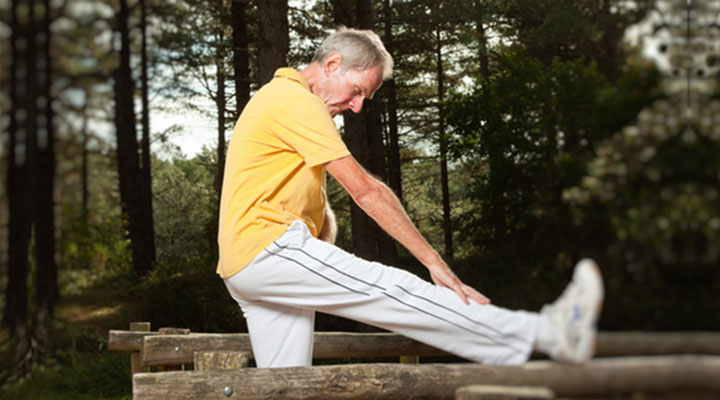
{"x":307,"y":127}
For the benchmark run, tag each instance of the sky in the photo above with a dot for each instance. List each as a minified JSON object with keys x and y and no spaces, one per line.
{"x":198,"y":130}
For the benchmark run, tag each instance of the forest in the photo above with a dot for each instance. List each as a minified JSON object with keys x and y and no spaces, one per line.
{"x":520,"y":135}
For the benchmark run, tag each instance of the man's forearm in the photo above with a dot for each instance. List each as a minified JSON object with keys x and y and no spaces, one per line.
{"x":378,"y":201}
{"x":381,"y":204}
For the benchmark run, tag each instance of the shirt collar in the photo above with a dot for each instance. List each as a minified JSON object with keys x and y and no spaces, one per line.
{"x":289,"y":73}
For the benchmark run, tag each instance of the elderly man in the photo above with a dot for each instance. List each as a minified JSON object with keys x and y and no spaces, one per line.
{"x":277,"y":230}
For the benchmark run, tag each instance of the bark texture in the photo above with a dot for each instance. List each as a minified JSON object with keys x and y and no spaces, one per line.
{"x":274,"y":40}
{"x":134,"y":202}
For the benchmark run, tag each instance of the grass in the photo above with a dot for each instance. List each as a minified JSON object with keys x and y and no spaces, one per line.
{"x":80,"y":366}
{"x":92,"y":303}
{"x":101,"y":376}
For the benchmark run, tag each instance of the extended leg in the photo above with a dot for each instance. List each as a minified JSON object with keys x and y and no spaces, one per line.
{"x":299,"y":271}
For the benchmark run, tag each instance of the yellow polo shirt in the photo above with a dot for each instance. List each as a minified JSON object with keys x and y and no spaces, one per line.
{"x":274,"y":171}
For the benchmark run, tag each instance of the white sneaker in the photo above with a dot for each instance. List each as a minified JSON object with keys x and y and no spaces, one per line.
{"x":575,"y":314}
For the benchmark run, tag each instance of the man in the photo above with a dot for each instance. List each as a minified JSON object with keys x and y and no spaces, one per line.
{"x":277,"y":231}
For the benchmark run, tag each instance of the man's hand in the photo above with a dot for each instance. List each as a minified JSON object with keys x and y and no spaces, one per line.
{"x":443,"y":276}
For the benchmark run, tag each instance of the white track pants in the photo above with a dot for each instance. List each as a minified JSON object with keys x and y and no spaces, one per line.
{"x":280,"y":290}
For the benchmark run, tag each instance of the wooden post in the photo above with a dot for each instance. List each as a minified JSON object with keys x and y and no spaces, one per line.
{"x":217,"y":360}
{"x":172,"y":331}
{"x":135,"y":356}
{"x":495,"y":392}
{"x":409,"y":359}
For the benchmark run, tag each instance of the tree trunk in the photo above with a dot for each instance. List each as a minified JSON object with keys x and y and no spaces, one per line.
{"x":274,"y":40}
{"x":444,"y":181}
{"x":241,"y":55}
{"x":220,"y":103}
{"x":394,"y":166}
{"x":134,"y":220}
{"x":85,"y":196}
{"x":495,"y":213}
{"x":18,"y":176}
{"x":44,"y":213}
{"x":363,"y":134}
{"x":146,"y":167}
{"x":611,"y":33}
{"x":344,"y":13}
{"x":482,"y":40}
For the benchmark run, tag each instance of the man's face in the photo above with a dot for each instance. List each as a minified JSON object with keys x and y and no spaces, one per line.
{"x":348,"y":89}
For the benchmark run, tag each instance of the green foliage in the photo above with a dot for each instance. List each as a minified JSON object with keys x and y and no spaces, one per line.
{"x":188,"y":295}
{"x":423,"y":199}
{"x":655,"y":183}
{"x":183,"y":289}
{"x":106,"y":376}
{"x":185,"y":207}
{"x":81,"y":369}
{"x":95,"y":240}
{"x":529,"y":132}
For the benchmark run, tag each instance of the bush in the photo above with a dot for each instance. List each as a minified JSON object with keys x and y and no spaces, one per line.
{"x":81,"y":368}
{"x":104,"y":376}
{"x":188,"y":296}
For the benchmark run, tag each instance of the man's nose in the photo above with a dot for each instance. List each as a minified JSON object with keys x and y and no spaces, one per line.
{"x":356,"y":104}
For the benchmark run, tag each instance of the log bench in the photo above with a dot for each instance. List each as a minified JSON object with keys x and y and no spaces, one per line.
{"x":173,"y":349}
{"x":598,"y":378}
{"x":679,"y":361}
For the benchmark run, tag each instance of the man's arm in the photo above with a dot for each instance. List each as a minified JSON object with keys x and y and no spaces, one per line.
{"x":378,"y":201}
{"x":328,"y":233}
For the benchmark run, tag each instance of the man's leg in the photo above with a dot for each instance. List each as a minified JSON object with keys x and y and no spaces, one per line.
{"x":299,"y":271}
{"x":281,"y":336}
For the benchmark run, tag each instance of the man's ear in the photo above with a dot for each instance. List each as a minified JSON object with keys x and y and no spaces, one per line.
{"x":332,"y":62}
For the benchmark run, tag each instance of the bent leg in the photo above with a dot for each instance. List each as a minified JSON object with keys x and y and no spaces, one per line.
{"x":280,"y":336}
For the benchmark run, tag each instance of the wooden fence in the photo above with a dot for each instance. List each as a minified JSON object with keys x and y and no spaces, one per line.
{"x":598,"y":378}
{"x":656,"y":357}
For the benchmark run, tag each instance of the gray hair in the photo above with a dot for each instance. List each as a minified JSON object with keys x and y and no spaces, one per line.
{"x":359,"y":49}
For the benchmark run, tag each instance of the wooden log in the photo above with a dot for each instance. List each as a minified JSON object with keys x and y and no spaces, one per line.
{"x":218,"y":360}
{"x":612,"y":344}
{"x":609,"y":343}
{"x":173,"y":349}
{"x":119,"y":340}
{"x":496,"y":392}
{"x":180,"y":349}
{"x":171,"y":331}
{"x":135,"y":357}
{"x":601,"y":377}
